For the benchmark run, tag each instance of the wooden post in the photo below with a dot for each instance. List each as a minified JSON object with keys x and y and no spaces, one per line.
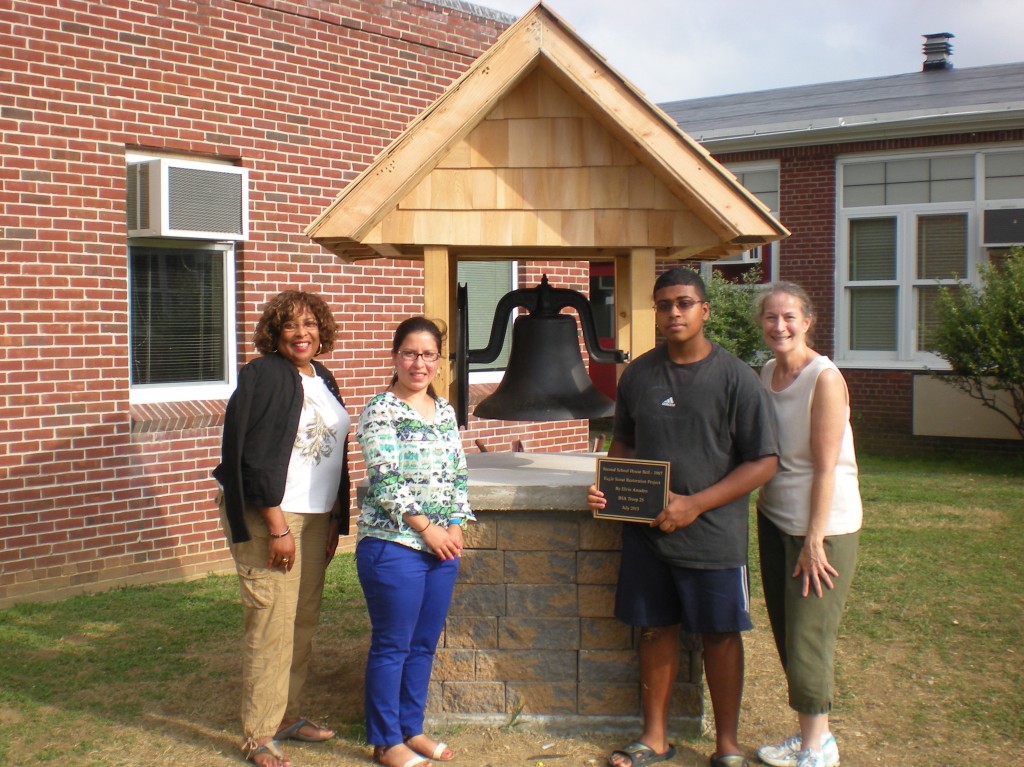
{"x":440,"y":274}
{"x":634,"y":313}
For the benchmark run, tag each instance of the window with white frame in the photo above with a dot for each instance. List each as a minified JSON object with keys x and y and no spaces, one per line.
{"x":762,"y":181}
{"x":181,"y":327}
{"x":908,"y":225}
{"x":486,"y":282}
{"x":181,"y":297}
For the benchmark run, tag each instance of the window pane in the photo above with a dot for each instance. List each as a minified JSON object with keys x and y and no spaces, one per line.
{"x":928,"y":316}
{"x":487,"y":282}
{"x":1006,"y":188}
{"x":873,"y":319}
{"x":1004,"y":176}
{"x":903,"y":171}
{"x":859,"y":173}
{"x":763,"y":184}
{"x":906,"y":193}
{"x":953,"y":190}
{"x":862,"y":196}
{"x":956,"y":167}
{"x":177,"y":332}
{"x":942,"y":246}
{"x":873,"y":249}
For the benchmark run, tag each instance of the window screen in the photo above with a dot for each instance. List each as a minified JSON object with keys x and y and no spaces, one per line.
{"x":487,"y":282}
{"x":177,"y":332}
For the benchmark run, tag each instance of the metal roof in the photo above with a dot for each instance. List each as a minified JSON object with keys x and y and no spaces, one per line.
{"x":919,"y":103}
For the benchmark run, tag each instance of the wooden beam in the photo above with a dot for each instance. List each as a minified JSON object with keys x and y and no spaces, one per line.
{"x":440,"y":272}
{"x":636,"y":273}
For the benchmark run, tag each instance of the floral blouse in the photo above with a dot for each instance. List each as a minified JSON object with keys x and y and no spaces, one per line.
{"x":414,"y":466}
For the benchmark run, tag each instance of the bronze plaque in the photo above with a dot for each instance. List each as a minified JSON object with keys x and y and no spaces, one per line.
{"x":634,"y":491}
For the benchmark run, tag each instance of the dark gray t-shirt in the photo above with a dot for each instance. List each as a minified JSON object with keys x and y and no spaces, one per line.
{"x":705,"y":418}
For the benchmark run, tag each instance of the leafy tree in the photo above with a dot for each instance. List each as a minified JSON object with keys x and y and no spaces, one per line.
{"x":980,"y":333}
{"x":732,"y":324}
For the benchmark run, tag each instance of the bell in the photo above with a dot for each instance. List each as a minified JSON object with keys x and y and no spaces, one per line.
{"x":545,"y":379}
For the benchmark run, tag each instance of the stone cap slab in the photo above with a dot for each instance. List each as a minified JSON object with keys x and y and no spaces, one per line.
{"x":530,"y":481}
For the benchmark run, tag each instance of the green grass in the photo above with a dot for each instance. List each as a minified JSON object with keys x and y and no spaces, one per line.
{"x":937,"y":603}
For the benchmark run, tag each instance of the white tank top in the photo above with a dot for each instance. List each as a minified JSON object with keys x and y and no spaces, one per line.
{"x":786,"y":499}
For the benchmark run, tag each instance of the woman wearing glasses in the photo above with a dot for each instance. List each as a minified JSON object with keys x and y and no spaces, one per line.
{"x":284,"y":477}
{"x":410,"y":541}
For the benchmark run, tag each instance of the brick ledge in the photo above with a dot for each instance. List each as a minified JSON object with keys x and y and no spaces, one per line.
{"x":177,"y":416}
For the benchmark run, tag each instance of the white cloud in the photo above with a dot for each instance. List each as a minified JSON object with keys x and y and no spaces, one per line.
{"x":673,"y":49}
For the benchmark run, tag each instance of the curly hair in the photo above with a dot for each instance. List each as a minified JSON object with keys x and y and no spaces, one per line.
{"x":287,"y":306}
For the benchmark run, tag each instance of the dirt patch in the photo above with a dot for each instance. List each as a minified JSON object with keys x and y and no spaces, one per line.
{"x":892,"y":707}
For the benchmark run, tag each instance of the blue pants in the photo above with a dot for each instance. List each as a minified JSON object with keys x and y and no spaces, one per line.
{"x":407,"y":595}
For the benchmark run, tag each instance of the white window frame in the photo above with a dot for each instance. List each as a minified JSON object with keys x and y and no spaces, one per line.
{"x":495,"y":376}
{"x":771,"y":250}
{"x":184,"y":392}
{"x":906,"y":355}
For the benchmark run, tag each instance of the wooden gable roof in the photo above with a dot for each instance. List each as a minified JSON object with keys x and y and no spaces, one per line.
{"x":542,"y":149}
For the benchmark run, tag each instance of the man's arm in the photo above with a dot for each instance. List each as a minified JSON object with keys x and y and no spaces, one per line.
{"x":682,"y":510}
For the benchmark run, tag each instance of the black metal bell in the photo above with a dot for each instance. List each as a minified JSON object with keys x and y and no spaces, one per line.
{"x":545,"y":379}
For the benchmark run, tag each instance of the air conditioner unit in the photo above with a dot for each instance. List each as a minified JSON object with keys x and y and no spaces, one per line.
{"x":187,"y":200}
{"x":1004,"y":226}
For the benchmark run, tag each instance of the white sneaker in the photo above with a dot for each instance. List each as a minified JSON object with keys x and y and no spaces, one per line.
{"x":784,"y":754}
{"x":810,"y":758}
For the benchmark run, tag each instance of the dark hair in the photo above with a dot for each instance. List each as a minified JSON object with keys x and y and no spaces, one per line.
{"x":286,"y":306}
{"x":680,"y":275}
{"x":412,"y":325}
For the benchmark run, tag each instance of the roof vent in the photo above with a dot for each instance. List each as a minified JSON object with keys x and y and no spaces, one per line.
{"x":937,"y":51}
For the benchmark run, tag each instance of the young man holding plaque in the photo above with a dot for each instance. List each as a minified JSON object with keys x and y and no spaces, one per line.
{"x":691,"y":403}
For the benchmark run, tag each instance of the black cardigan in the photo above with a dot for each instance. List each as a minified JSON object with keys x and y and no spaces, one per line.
{"x":260,"y":423}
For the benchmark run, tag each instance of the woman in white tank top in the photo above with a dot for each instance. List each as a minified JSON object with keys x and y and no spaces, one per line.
{"x":809,"y":515}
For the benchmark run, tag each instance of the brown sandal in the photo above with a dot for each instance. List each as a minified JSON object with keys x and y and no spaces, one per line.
{"x":271,"y":748}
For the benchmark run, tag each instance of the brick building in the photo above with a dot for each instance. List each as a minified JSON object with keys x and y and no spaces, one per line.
{"x":111,"y":410}
{"x":890,"y":186}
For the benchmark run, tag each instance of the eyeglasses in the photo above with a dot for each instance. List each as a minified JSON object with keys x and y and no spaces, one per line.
{"x":682,"y":304}
{"x":410,"y":356}
{"x":291,"y":326}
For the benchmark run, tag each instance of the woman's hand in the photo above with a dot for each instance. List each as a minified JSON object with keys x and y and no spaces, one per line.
{"x":281,"y":548}
{"x":440,"y":542}
{"x":455,"y":535}
{"x":813,"y":566}
{"x":281,"y":553}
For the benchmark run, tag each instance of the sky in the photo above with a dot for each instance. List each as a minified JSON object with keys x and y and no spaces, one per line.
{"x":682,"y":49}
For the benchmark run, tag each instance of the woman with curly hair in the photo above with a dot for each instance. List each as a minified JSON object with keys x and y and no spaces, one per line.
{"x":285,"y":500}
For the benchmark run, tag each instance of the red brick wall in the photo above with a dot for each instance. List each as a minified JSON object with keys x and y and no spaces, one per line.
{"x":882,"y":399}
{"x":94,"y":492}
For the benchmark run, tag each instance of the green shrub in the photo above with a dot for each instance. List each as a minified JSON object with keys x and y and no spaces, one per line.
{"x":980,"y":333}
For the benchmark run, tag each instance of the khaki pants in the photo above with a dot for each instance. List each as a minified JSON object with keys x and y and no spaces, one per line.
{"x":281,"y":614}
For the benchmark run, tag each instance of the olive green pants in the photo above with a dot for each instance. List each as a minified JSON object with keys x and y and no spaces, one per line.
{"x":805,"y":628}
